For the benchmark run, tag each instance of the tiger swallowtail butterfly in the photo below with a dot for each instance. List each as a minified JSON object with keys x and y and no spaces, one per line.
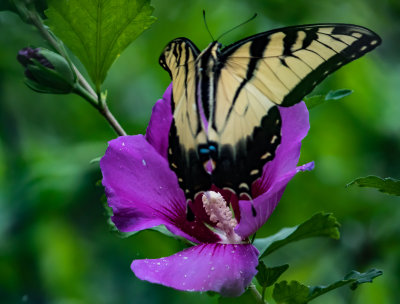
{"x":226,"y":124}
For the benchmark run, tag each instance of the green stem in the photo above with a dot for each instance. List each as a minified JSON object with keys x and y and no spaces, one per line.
{"x":102,"y":107}
{"x":81,"y":91}
{"x":112,"y":121}
{"x":263,"y":293}
{"x":258,"y":298}
{"x":83,"y":87}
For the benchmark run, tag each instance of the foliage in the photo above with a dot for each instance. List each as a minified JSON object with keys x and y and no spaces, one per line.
{"x":98,"y":31}
{"x":267,"y":276}
{"x":55,"y":246}
{"x":386,"y":185}
{"x":320,"y":224}
{"x":314,"y":101}
{"x":297,"y":293}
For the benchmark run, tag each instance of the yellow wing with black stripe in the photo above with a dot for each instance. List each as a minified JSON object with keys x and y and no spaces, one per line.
{"x":186,"y":133}
{"x":230,"y":97}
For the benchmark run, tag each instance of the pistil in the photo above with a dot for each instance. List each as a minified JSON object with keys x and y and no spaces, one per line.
{"x":220,"y":214}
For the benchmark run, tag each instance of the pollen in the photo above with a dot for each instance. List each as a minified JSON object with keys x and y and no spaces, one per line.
{"x":220,"y":214}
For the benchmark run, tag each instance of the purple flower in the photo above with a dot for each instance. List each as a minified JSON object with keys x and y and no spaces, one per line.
{"x":144,"y":192}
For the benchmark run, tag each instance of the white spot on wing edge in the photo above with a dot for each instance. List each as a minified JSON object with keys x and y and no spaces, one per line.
{"x":264,"y":156}
{"x":244,"y":185}
{"x":254,"y":172}
{"x":356,"y":34}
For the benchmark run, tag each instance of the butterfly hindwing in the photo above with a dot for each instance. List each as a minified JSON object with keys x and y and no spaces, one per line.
{"x":226,"y":102}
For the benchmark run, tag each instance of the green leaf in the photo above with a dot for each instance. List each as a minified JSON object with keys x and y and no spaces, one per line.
{"x":386,"y":185}
{"x":358,"y":278}
{"x":338,"y":94}
{"x":290,"y":293}
{"x":320,"y":224}
{"x":297,"y":293}
{"x":354,"y":278}
{"x":95,"y":160}
{"x":267,"y":276}
{"x":97,"y":31}
{"x":313,"y":101}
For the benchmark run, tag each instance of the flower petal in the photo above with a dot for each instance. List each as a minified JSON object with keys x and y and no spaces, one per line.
{"x":295,"y":126}
{"x":160,"y":123}
{"x":224,"y":268}
{"x":144,"y":192}
{"x":268,"y":190}
{"x":141,"y":189}
{"x":264,"y":204}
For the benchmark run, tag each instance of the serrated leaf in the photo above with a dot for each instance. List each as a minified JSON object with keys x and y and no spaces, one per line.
{"x":320,"y":224}
{"x":97,"y":31}
{"x":386,"y":185}
{"x":290,"y":293}
{"x":358,"y":278}
{"x":314,"y":101}
{"x":354,"y":278}
{"x":297,"y":293}
{"x":267,"y":276}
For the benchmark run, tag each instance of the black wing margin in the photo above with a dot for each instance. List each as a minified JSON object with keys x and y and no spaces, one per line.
{"x":186,"y":133}
{"x":298,"y":58}
{"x":277,"y":67}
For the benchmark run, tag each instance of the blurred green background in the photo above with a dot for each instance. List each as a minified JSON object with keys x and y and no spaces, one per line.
{"x":55,"y":245}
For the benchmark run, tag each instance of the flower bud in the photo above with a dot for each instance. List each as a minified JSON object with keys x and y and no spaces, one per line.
{"x":46,"y":71}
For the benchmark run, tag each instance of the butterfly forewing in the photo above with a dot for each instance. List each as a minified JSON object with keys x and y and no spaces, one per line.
{"x":292,"y":61}
{"x":235,"y":116}
{"x":186,"y":133}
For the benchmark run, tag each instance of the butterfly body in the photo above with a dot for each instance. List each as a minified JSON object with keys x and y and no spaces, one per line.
{"x":226,"y":123}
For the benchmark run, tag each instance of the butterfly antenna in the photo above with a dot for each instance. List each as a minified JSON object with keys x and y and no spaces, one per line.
{"x":234,"y":28}
{"x":205,"y":22}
